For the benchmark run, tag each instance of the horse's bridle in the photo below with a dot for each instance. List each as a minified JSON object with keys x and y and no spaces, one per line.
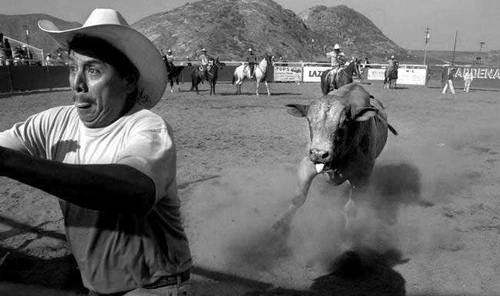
{"x":214,"y":64}
{"x":269,"y":60}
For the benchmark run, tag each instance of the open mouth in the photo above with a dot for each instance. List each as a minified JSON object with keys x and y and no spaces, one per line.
{"x":83,"y":105}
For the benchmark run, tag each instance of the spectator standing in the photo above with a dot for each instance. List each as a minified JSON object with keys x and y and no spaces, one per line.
{"x":366,"y":64}
{"x":60,"y":60}
{"x":448,"y":77}
{"x":8,"y":50}
{"x":468,"y":78}
{"x":3,"y":56}
{"x":110,"y":161}
{"x":48,"y":60}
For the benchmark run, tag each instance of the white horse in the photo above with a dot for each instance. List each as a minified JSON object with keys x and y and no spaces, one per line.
{"x":242,"y":72}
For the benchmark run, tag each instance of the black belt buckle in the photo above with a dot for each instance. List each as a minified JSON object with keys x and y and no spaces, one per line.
{"x":169,"y":280}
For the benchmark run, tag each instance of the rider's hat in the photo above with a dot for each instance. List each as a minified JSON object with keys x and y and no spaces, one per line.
{"x":203,"y":49}
{"x":110,"y":25}
{"x":169,"y":50}
{"x":392,"y":57}
{"x":336,"y":46}
{"x":249,"y":49}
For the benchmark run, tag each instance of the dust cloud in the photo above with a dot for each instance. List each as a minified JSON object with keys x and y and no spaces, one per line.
{"x":230,"y":218}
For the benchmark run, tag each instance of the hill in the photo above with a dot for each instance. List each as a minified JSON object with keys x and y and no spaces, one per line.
{"x":15,"y":26}
{"x":227,"y":28}
{"x":357,"y":35}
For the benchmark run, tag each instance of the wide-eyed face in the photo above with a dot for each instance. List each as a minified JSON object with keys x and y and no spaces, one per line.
{"x":327,"y":128}
{"x":99,"y":93}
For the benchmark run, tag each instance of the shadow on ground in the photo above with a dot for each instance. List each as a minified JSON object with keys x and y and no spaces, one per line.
{"x":357,"y":272}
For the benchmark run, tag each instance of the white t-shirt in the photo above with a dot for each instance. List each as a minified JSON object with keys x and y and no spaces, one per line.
{"x":115,"y":252}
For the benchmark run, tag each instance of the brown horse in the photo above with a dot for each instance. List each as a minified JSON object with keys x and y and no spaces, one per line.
{"x":197,"y":75}
{"x":173,"y":73}
{"x":331,"y":81}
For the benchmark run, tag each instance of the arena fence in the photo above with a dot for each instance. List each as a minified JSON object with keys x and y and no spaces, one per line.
{"x":28,"y":78}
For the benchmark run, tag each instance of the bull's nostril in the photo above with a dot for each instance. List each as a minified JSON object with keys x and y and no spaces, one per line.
{"x":325,"y":155}
{"x":318,"y":155}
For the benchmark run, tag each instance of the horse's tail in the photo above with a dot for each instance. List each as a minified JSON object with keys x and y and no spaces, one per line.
{"x":234,"y":79}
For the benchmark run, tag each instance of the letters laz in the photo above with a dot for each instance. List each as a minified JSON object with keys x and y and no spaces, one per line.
{"x":315,"y":73}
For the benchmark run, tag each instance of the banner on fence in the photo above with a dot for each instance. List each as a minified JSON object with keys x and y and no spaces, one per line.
{"x":313,"y":73}
{"x":375,"y":74}
{"x":410,"y":75}
{"x":479,"y":73}
{"x":287,"y":73}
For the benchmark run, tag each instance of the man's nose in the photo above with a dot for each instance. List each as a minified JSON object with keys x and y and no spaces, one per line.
{"x":79,"y":82}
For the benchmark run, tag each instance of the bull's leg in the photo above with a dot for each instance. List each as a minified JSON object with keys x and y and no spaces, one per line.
{"x":350,"y":211}
{"x":306,"y":174}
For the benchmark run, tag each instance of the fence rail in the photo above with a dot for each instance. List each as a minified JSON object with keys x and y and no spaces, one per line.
{"x":30,"y":77}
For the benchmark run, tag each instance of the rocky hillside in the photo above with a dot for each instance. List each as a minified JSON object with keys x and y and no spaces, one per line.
{"x":15,"y":26}
{"x":227,"y":28}
{"x":357,"y":35}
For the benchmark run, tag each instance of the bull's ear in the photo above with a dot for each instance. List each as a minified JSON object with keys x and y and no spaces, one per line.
{"x":364,"y":114}
{"x":297,"y":110}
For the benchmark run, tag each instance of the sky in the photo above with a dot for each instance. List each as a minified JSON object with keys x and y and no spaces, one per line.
{"x":403,"y":21}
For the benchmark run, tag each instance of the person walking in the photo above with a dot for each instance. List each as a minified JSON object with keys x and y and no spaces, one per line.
{"x":468,"y":78}
{"x":109,"y":160}
{"x":448,"y":77}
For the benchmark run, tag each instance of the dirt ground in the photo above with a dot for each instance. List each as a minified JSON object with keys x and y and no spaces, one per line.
{"x":430,"y":225}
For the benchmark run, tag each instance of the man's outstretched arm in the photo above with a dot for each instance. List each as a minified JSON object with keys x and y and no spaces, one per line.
{"x":104,"y":187}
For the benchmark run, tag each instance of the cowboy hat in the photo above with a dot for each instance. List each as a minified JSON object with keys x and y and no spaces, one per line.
{"x":110,"y":25}
{"x":249,"y":49}
{"x":203,"y":49}
{"x":336,"y":46}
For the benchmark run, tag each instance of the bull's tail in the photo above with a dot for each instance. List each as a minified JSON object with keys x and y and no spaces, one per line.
{"x":378,"y":105}
{"x":392,"y":130}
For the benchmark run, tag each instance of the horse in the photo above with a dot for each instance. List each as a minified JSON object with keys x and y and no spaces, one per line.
{"x":331,"y":81}
{"x":391,"y":76}
{"x":173,"y":73}
{"x":261,"y":72}
{"x":198,"y":76}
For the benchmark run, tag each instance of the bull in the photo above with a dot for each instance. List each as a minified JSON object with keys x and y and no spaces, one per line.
{"x":348,"y":131}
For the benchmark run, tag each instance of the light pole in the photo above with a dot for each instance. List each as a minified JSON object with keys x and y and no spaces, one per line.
{"x":481,"y":46}
{"x":427,"y":37}
{"x":312,"y":49}
{"x":478,"y":58}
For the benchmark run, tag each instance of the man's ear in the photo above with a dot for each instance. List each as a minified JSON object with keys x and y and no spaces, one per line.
{"x":131,"y":80}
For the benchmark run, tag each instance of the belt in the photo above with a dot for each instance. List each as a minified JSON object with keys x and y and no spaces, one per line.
{"x":169,"y":280}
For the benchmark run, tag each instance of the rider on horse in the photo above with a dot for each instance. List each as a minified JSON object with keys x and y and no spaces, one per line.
{"x":251,"y":61}
{"x":337,"y":59}
{"x":393,"y":63}
{"x":170,"y":58}
{"x":205,"y":58}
